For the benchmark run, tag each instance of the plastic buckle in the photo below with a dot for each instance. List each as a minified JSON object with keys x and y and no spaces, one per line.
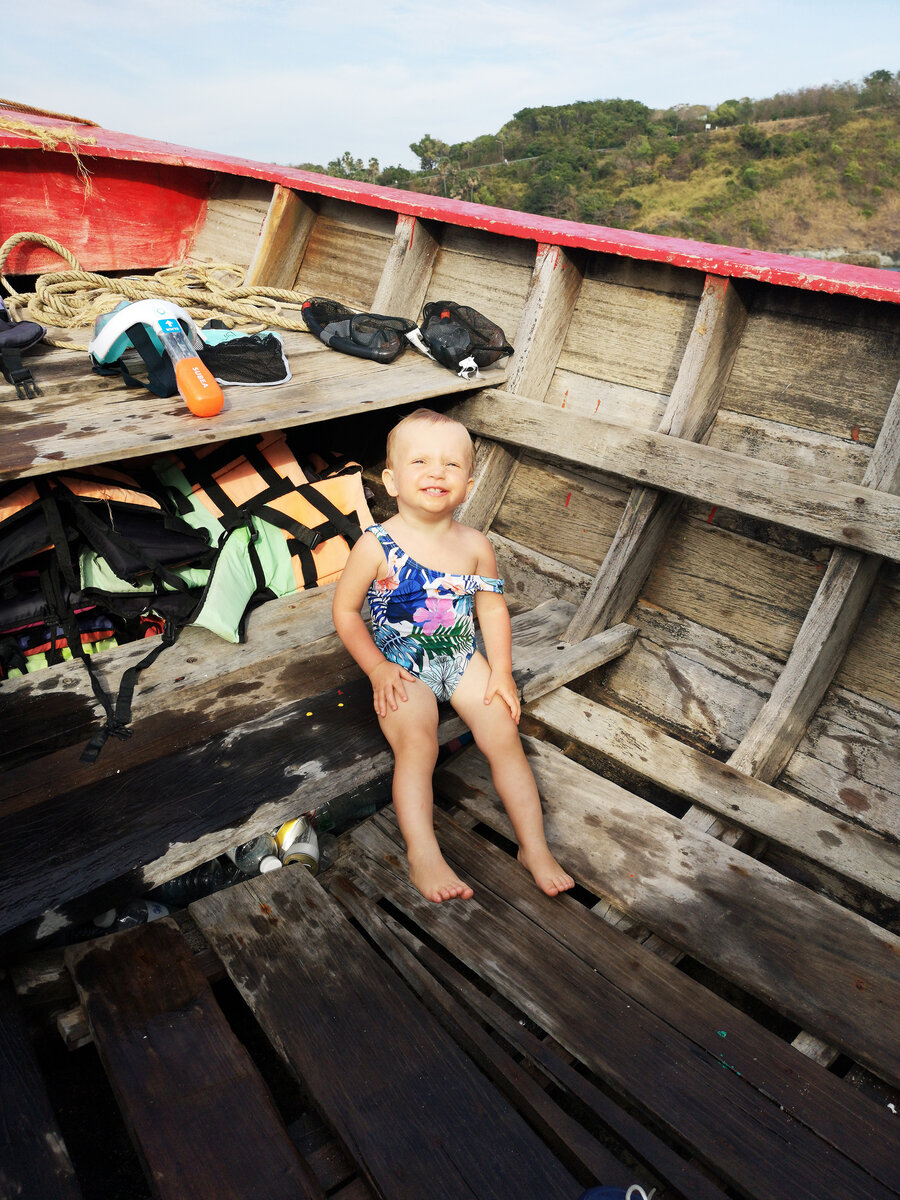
{"x":20,"y":377}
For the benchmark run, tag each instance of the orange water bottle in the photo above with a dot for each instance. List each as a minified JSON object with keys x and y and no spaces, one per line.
{"x":200,"y":392}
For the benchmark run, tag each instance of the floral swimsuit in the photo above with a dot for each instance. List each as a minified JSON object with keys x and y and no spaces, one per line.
{"x":422,"y":619}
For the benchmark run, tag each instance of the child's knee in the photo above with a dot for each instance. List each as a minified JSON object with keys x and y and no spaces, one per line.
{"x":499,"y":738}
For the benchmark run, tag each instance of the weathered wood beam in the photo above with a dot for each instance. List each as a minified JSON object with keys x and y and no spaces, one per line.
{"x":817,"y":653}
{"x":826,"y":632}
{"x":407,"y":272}
{"x":814,"y":961}
{"x":413,"y":1110}
{"x":282,"y":241}
{"x":568,"y":662}
{"x":541,"y":334}
{"x":847,"y":849}
{"x":248,"y":763}
{"x":324,"y":386}
{"x":613,"y":1007}
{"x":200,"y":1115}
{"x":34,"y":1161}
{"x":694,"y":402}
{"x":838,"y":512}
{"x":420,"y":967}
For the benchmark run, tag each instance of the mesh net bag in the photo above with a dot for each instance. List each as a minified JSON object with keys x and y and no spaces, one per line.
{"x":455,"y":333}
{"x":364,"y":335}
{"x":257,"y":359}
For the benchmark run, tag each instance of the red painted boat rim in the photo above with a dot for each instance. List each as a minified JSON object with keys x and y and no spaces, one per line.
{"x":808,"y":274}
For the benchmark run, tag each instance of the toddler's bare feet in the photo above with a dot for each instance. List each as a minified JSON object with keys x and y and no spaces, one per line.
{"x":435,"y":879}
{"x":548,"y":874}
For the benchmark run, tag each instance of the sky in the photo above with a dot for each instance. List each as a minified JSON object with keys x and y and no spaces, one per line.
{"x":290,"y":81}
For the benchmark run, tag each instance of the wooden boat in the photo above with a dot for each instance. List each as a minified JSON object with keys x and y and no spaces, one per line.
{"x":689,"y":471}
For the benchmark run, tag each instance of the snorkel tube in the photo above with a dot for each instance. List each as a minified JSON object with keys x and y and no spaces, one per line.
{"x":198,"y":389}
{"x":164,"y":323}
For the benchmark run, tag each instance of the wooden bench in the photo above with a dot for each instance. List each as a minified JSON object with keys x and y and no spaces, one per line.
{"x":82,"y":418}
{"x":229,"y":741}
{"x":759,"y":1116}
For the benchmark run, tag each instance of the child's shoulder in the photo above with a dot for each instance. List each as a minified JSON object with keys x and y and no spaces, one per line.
{"x":470,"y":537}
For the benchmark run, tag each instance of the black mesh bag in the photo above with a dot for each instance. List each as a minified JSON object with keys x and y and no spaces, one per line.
{"x":364,"y":335}
{"x":257,"y":359}
{"x":456,"y":334}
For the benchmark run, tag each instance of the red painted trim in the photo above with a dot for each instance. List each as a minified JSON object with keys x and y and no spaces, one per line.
{"x":135,"y":215}
{"x":808,"y":274}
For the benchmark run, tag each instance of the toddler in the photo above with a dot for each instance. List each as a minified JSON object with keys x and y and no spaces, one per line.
{"x":421,"y":572}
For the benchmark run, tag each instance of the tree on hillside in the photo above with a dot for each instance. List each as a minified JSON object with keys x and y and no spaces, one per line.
{"x":881,"y":87}
{"x":430,"y":151}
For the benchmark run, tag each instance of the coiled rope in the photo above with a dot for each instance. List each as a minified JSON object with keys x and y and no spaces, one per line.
{"x":76,"y":298}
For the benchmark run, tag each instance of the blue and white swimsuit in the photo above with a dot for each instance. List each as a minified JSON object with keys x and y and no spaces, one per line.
{"x":422,"y":619}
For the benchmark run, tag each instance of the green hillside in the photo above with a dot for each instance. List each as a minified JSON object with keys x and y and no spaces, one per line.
{"x":817,"y":170}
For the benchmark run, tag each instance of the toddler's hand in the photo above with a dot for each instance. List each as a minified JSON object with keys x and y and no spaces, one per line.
{"x":387,"y":686}
{"x":502,"y":684}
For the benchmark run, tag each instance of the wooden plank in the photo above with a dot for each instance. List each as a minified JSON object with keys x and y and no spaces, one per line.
{"x":857,"y":517}
{"x":826,"y":633}
{"x":632,"y":335}
{"x":407,"y":272}
{"x":412,"y":1110}
{"x":582,"y":1153}
{"x":768,"y":1124}
{"x":781,"y":817}
{"x":827,"y":367}
{"x":789,"y":445}
{"x":569,"y":662}
{"x":816,"y":655}
{"x":247,"y":768}
{"x":421,"y":967}
{"x":531,"y":578}
{"x":704,"y":687}
{"x":569,"y":514}
{"x":346,"y":254}
{"x":702,"y":375}
{"x":610,"y":401}
{"x":549,"y":304}
{"x":234,"y":217}
{"x":200,"y":1116}
{"x":823,"y":966}
{"x":34,"y":1161}
{"x":324,"y":386}
{"x":552,"y":295}
{"x":282,"y":241}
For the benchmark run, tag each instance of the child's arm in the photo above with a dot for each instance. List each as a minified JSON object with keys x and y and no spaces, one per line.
{"x":493,"y":620}
{"x":386,"y":677}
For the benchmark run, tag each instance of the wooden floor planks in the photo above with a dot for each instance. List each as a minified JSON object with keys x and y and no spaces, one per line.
{"x":770,"y":1123}
{"x":249,"y":753}
{"x":34,"y":1161}
{"x":413,"y":1111}
{"x":200,"y":1115}
{"x":819,"y":964}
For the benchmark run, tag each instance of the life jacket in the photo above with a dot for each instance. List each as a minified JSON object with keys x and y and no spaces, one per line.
{"x":277,"y":531}
{"x":127,"y":524}
{"x":36,"y":646}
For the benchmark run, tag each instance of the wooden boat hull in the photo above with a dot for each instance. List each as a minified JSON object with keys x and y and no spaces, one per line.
{"x":689,"y":471}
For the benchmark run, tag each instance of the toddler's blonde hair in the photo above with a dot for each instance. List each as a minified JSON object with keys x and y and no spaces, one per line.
{"x":433,"y":418}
